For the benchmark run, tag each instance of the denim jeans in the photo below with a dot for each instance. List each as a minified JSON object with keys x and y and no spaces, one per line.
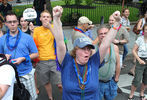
{"x":125,"y":51}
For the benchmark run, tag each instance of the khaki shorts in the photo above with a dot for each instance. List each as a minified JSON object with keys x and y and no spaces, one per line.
{"x":140,"y":74}
{"x":46,"y":72}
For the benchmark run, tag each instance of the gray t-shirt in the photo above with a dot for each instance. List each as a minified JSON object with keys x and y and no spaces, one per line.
{"x":142,"y":49}
{"x":122,"y":34}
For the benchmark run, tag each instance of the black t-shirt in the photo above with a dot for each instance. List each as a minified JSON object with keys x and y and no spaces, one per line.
{"x":5,"y":9}
{"x":39,"y":5}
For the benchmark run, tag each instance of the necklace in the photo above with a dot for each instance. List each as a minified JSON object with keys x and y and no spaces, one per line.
{"x":84,"y":79}
{"x":78,"y":29}
{"x":108,"y":58}
{"x":12,"y":47}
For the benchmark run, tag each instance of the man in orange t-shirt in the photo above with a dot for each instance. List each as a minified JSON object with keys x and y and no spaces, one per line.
{"x":46,"y":68}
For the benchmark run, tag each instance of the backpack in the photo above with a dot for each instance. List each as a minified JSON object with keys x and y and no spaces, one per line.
{"x":135,"y":28}
{"x":20,"y":92}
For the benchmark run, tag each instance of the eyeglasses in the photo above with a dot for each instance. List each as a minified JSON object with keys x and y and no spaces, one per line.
{"x":10,"y":22}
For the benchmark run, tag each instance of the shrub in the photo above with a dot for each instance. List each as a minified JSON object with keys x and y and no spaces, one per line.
{"x":78,"y":2}
{"x":89,"y":2}
{"x":67,"y":2}
{"x":71,"y":18}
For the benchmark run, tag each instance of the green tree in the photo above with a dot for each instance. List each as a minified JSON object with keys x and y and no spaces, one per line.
{"x":78,"y":2}
{"x":89,"y":2}
{"x":67,"y":2}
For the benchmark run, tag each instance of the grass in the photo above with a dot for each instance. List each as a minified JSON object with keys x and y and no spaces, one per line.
{"x":92,"y":14}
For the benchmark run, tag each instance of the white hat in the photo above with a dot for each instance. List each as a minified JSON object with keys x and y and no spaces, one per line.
{"x":84,"y":20}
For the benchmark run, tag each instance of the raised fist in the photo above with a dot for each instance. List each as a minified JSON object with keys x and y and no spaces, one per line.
{"x":57,"y":11}
{"x":116,"y":16}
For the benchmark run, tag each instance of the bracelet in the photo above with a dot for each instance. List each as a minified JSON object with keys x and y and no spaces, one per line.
{"x":27,"y":57}
{"x":116,"y":28}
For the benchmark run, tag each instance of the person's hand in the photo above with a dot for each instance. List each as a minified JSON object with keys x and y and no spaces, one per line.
{"x":115,"y":41}
{"x":47,"y":25}
{"x":128,"y":28}
{"x":141,"y":62}
{"x":18,"y":60}
{"x":7,"y":56}
{"x":116,"y":79}
{"x":31,"y":26}
{"x":57,"y":11}
{"x":116,"y":16}
{"x":90,"y":26}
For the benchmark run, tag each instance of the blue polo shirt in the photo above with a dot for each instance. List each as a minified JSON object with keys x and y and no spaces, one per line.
{"x":71,"y":89}
{"x":25,"y":47}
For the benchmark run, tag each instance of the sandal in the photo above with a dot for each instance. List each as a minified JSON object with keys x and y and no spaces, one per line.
{"x":142,"y":98}
{"x":130,"y":98}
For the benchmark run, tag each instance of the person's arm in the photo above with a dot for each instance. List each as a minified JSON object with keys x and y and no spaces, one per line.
{"x":94,"y":42}
{"x":134,"y":51}
{"x":117,"y":68}
{"x":58,"y":33}
{"x":109,"y":37}
{"x":3,"y":90}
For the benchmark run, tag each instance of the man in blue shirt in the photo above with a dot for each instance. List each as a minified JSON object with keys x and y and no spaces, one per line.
{"x":20,"y":49}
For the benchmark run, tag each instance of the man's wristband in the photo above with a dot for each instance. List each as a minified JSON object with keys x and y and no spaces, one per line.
{"x":27,"y":58}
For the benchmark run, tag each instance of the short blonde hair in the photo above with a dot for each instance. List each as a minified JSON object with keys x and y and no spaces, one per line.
{"x":45,"y":11}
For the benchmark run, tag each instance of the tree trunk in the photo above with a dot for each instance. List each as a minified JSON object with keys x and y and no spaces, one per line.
{"x":48,"y":6}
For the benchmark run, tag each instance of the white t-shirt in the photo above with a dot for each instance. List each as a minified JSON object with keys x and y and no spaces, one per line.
{"x":142,"y":50}
{"x":7,"y":76}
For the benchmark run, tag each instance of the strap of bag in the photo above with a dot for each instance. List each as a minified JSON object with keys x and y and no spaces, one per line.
{"x":16,"y":75}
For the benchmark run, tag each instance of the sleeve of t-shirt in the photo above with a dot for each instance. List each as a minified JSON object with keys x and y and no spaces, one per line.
{"x":1,"y":45}
{"x":32,"y":46}
{"x":7,"y":75}
{"x":139,"y":40}
{"x":67,"y":58}
{"x":126,"y":33}
{"x":35,"y":37}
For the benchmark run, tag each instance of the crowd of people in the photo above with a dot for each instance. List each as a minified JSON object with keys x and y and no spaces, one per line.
{"x":90,"y":71}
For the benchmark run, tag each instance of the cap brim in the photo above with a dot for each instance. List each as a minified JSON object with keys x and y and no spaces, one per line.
{"x":89,"y":45}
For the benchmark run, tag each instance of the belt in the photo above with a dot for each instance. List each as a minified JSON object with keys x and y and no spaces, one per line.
{"x":104,"y":81}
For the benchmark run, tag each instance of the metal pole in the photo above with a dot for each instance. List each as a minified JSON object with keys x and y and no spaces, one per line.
{"x":122,"y":6}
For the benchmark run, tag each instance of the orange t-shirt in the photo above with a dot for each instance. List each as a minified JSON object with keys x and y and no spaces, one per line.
{"x":44,"y":40}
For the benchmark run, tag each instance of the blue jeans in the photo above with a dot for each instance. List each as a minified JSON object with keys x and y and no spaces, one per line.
{"x":125,"y":51}
{"x":108,"y":90}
